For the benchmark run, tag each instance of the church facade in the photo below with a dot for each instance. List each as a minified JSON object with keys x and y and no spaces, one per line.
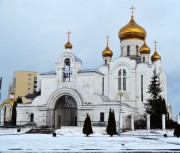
{"x":68,"y":93}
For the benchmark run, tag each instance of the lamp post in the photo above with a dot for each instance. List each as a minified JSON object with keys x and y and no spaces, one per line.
{"x":119,"y":125}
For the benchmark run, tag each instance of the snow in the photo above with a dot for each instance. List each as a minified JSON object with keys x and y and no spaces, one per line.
{"x":72,"y":140}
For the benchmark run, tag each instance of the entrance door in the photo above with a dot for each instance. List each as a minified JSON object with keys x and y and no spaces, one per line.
{"x":66,"y":111}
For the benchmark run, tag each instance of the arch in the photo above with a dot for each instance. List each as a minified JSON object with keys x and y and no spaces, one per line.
{"x":71,"y":56}
{"x":62,"y":92}
{"x":53,"y":99}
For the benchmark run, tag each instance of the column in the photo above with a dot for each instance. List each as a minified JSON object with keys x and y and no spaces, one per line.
{"x":163,"y":122}
{"x":121,"y":126}
{"x":148,"y":121}
{"x":132,"y":122}
{"x":52,"y":117}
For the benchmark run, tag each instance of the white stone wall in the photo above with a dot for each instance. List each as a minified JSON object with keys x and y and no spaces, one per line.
{"x":132,"y":43}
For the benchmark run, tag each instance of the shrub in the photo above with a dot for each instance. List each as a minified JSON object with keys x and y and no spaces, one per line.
{"x":87,"y":129}
{"x":170,"y":124}
{"x":177,"y":131}
{"x":111,"y":128}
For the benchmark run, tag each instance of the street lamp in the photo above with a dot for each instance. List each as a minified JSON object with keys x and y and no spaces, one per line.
{"x":120,"y":93}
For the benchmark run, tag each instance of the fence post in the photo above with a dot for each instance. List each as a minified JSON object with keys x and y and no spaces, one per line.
{"x":148,"y":121}
{"x":132,"y":122}
{"x":163,"y":122}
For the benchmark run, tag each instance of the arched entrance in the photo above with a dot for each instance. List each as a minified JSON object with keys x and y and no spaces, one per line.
{"x":63,"y":100}
{"x":65,"y":111}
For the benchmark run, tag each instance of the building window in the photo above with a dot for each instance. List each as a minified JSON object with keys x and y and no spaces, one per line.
{"x":101,"y":117}
{"x":29,"y":74}
{"x":29,"y":79}
{"x":32,"y":117}
{"x":143,"y":59}
{"x":119,"y":80}
{"x":137,"y":50}
{"x":128,"y":50}
{"x":142,"y":88}
{"x":29,"y":84}
{"x":122,"y":75}
{"x":103,"y":86}
{"x":29,"y":89}
{"x":105,"y":61}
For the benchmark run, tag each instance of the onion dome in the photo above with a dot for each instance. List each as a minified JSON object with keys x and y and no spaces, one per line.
{"x":12,"y":92}
{"x":68,"y":45}
{"x":144,"y":49}
{"x":107,"y":52}
{"x":8,"y":101}
{"x":132,"y":30}
{"x":155,"y":56}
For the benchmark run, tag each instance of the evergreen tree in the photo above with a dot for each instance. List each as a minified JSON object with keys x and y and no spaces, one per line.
{"x":14,"y":114}
{"x":87,"y":129}
{"x":156,"y":105}
{"x":111,"y":128}
{"x":114,"y":122}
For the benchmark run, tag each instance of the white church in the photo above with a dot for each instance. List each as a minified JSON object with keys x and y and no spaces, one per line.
{"x":68,"y":93}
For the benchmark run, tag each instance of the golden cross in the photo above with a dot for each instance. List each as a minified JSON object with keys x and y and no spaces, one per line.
{"x":68,"y":33}
{"x":155,"y":42}
{"x":107,"y":38}
{"x":132,"y":11}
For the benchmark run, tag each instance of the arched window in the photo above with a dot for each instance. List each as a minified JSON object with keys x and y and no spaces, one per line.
{"x":122,"y":75}
{"x":128,"y":50}
{"x":105,"y":61}
{"x":143,"y":59}
{"x":119,"y":80}
{"x":67,"y":74}
{"x":103,"y":86}
{"x":142,"y":88}
{"x":137,"y":50}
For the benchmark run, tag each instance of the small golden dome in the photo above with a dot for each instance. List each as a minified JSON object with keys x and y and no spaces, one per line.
{"x":107,"y":52}
{"x":144,"y":49}
{"x":132,"y":30}
{"x":155,"y":56}
{"x":8,"y":101}
{"x":12,"y":92}
{"x":68,"y":45}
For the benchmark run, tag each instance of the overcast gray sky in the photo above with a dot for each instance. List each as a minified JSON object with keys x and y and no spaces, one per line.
{"x":33,"y":34}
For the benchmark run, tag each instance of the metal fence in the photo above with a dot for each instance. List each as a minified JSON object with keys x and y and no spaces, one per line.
{"x":18,"y":124}
{"x":81,"y":123}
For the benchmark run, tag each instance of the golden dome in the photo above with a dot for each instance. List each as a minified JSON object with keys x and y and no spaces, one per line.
{"x":68,"y":45}
{"x":144,"y":49}
{"x":132,"y":30}
{"x":107,"y":52}
{"x":8,"y":101}
{"x":155,"y":56}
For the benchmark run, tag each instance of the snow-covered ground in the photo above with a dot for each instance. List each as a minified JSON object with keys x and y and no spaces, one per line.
{"x":72,"y":140}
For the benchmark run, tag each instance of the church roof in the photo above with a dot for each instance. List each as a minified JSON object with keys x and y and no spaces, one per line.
{"x":77,"y":58}
{"x":49,"y":73}
{"x":90,"y":71}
